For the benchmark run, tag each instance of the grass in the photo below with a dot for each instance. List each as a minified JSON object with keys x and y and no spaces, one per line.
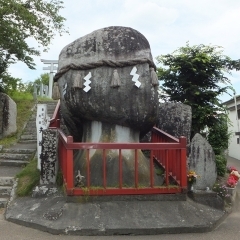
{"x":28,"y":178}
{"x":25,"y":103}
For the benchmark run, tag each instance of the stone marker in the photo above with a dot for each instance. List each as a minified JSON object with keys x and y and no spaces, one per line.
{"x":48,"y":156}
{"x":42,"y":122}
{"x":108,"y":91}
{"x":8,"y":116}
{"x":202,"y":161}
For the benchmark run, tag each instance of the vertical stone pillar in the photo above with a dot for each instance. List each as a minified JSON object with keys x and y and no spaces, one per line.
{"x":48,"y":156}
{"x":42,"y":122}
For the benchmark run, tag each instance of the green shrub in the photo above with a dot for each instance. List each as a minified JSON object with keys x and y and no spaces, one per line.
{"x":221,"y":163}
{"x":218,"y":138}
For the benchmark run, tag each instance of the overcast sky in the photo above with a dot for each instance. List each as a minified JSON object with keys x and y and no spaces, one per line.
{"x":167,"y":24}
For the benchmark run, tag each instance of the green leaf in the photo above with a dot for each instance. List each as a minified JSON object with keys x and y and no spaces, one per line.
{"x":192,"y":75}
{"x":23,"y":19}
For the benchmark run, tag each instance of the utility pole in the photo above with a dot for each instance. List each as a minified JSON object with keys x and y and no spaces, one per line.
{"x":51,"y":68}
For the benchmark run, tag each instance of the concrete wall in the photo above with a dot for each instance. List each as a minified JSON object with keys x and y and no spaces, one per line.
{"x":234,"y":146}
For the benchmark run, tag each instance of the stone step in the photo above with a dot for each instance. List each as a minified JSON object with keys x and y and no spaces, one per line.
{"x":31,"y":124}
{"x":24,"y":146}
{"x":5,"y":191}
{"x":51,"y":107}
{"x":50,"y":112}
{"x":19,"y":151}
{"x":14,"y":163}
{"x":27,"y":141}
{"x":9,"y":171}
{"x":3,"y":202}
{"x":29,"y":137}
{"x":14,"y":156}
{"x":6,"y":181}
{"x":30,"y":130}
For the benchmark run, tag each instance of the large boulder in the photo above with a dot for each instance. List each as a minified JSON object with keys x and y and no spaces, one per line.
{"x":108,"y":93}
{"x":8,"y":116}
{"x":175,"y":119}
{"x":202,"y":161}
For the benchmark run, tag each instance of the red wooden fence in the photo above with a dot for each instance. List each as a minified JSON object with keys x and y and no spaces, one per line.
{"x":168,"y":151}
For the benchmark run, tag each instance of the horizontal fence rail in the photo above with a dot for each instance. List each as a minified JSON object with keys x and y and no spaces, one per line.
{"x":167,"y":152}
{"x":171,"y":156}
{"x":55,"y":120}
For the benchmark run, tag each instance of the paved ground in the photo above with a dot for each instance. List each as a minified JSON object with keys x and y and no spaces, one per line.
{"x":229,"y":228}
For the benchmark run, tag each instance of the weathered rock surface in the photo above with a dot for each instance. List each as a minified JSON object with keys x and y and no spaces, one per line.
{"x":110,"y":43}
{"x":48,"y":156}
{"x":8,"y":116}
{"x":175,"y":119}
{"x":100,"y":53}
{"x":107,"y":94}
{"x":202,"y":161}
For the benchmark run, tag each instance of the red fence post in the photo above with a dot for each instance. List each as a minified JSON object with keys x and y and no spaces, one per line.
{"x":183,"y":180}
{"x":104,"y":169}
{"x":57,"y":123}
{"x":120,"y":168}
{"x":69,"y":165}
{"x":151,"y":170}
{"x":166,"y":167}
{"x":63,"y":157}
{"x":56,"y":116}
{"x":136,"y":168}
{"x":88,"y":168}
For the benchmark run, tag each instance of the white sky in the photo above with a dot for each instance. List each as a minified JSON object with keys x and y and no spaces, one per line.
{"x":167,"y":24}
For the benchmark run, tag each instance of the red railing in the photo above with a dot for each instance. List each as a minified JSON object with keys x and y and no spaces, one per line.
{"x":167,"y":151}
{"x":54,"y":121}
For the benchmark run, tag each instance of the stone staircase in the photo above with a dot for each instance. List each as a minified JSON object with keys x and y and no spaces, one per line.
{"x":14,"y":158}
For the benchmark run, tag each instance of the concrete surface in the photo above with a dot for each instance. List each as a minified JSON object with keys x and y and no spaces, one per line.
{"x":53,"y":214}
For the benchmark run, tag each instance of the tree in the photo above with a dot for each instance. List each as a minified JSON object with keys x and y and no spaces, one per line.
{"x":192,"y":76}
{"x":44,"y":79}
{"x":21,"y":20}
{"x":9,"y":84}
